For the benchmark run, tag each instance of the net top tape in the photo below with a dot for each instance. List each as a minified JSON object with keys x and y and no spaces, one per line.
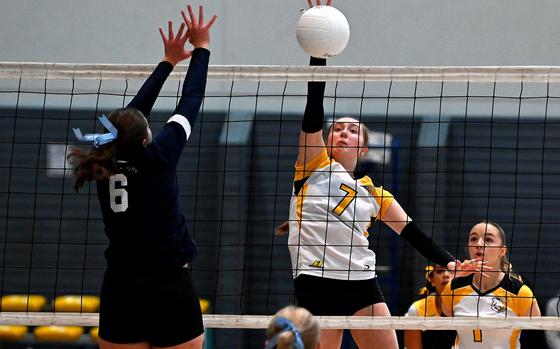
{"x":326,"y":322}
{"x":65,"y":71}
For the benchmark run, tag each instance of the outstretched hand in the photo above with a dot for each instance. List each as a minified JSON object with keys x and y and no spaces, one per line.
{"x":174,"y":45}
{"x":310,"y":2}
{"x":468,"y":267}
{"x":199,"y":32}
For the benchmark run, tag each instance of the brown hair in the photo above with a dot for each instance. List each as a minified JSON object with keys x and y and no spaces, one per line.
{"x":100,"y":163}
{"x":365,"y":131}
{"x":505,"y":264}
{"x":303,"y":320}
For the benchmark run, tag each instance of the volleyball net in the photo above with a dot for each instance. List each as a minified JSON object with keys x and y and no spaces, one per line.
{"x":455,"y":145}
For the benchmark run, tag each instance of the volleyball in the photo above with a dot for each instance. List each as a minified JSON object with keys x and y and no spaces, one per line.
{"x":322,"y":31}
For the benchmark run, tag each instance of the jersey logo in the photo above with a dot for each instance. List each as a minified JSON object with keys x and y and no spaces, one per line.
{"x":317,"y":264}
{"x":498,"y":305}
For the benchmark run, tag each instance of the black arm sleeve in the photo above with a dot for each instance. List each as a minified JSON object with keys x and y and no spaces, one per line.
{"x":194,"y":85}
{"x":148,"y":93}
{"x":314,"y":112}
{"x":426,"y":246}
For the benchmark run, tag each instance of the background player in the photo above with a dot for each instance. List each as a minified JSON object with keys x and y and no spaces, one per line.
{"x":500,"y":294}
{"x":430,"y":305}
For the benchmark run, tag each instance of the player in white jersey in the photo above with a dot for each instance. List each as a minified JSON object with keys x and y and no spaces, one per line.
{"x":500,"y":294}
{"x":330,"y":212}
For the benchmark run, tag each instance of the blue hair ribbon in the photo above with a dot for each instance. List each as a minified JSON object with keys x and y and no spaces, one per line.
{"x":98,"y":139}
{"x":285,"y":325}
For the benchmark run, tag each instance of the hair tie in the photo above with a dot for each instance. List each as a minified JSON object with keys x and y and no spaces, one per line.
{"x":429,"y":269}
{"x":285,"y":325}
{"x":98,"y":139}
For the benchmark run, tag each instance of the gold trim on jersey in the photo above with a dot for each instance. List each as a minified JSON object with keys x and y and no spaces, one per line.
{"x":299,"y":203}
{"x":307,"y":169}
{"x":426,"y":307}
{"x":325,"y":199}
{"x":383,"y":198}
{"x":509,"y":298}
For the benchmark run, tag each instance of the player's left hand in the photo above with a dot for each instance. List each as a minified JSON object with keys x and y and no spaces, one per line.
{"x":174,"y":45}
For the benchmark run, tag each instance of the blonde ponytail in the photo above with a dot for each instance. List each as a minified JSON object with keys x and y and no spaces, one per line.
{"x":293,"y":327}
{"x":507,"y":268}
{"x":505,"y":265}
{"x":285,"y":340}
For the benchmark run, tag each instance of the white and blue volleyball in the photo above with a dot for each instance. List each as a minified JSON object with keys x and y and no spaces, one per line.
{"x":322,"y":31}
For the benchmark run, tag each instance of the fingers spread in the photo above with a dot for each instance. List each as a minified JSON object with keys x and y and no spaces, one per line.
{"x":170,"y":29}
{"x":192,"y":15}
{"x":163,"y":37}
{"x":181,"y":28}
{"x":201,"y":15}
{"x":212,"y":20}
{"x":186,"y":19}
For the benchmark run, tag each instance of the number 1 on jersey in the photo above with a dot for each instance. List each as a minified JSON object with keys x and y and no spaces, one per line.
{"x":477,"y":336}
{"x":118,"y":197}
{"x":346,"y":200}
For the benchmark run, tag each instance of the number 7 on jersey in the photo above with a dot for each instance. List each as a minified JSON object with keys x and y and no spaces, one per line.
{"x":346,"y":200}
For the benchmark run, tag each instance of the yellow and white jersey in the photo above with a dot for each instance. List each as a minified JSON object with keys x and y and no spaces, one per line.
{"x":425,"y":307}
{"x":510,"y":298}
{"x":330,"y":213}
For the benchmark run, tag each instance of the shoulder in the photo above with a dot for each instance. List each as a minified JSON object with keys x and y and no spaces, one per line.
{"x":366,"y":182}
{"x":377,"y":192}
{"x":515,"y":286}
{"x":460,"y":282}
{"x":179,"y":125}
{"x":416,"y":308}
{"x":319,"y":161}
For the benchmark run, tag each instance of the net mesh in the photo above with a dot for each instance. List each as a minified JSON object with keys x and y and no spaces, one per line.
{"x":454,"y":144}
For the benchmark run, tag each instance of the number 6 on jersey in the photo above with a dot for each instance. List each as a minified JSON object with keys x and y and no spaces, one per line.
{"x":118,"y":197}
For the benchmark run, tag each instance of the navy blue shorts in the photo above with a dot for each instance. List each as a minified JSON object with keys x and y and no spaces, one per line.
{"x":163,"y":311}
{"x":322,"y":296}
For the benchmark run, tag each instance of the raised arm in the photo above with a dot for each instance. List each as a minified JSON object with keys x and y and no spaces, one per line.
{"x":174,"y":52}
{"x":195,"y":80}
{"x":171,"y":141}
{"x":311,"y":141}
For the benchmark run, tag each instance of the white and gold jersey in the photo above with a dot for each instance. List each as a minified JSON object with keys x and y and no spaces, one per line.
{"x":330,"y":213}
{"x":425,"y":307}
{"x":511,"y":298}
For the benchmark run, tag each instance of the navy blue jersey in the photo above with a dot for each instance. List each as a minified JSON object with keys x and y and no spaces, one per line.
{"x":141,"y":203}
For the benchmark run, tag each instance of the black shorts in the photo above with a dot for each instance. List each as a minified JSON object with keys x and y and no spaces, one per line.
{"x":322,"y":296}
{"x":164,"y":311}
